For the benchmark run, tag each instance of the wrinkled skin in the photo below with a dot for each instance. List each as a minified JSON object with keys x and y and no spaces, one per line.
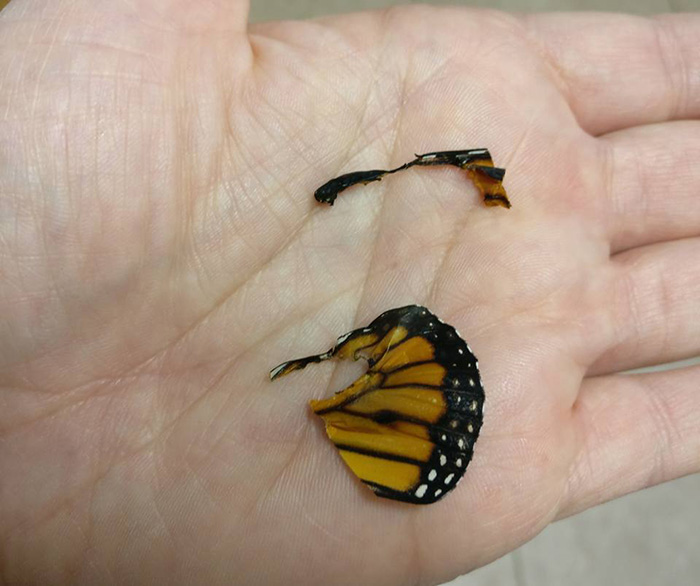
{"x":161,"y":250}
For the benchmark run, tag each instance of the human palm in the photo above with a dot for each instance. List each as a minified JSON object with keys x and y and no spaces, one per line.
{"x":161,"y":251}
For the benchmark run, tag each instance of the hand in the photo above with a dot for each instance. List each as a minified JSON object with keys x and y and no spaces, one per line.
{"x":161,"y":251}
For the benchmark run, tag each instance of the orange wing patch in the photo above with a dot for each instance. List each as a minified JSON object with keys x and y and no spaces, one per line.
{"x":415,"y":349}
{"x":431,"y":374}
{"x":427,"y":405}
{"x":364,"y":435}
{"x":391,"y":339}
{"x":376,"y":470}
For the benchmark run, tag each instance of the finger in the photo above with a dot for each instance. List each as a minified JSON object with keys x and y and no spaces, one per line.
{"x":652,"y":314}
{"x":619,"y":71}
{"x":654,"y":183}
{"x":634,"y":431}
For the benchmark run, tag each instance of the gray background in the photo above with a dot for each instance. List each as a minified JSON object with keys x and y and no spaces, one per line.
{"x":286,"y":9}
{"x":648,"y":538}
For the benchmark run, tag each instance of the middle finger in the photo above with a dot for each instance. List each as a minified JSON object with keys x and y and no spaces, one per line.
{"x":651,"y":314}
{"x":653,"y":184}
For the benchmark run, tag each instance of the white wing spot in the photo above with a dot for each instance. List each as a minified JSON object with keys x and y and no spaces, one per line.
{"x":470,"y":428}
{"x":449,"y":478}
{"x":460,"y":351}
{"x":473,"y":406}
{"x":275,"y":371}
{"x":454,"y":423}
{"x":438,"y":492}
{"x":460,"y":443}
{"x":420,"y":491}
{"x":433,"y":475}
{"x":343,"y":338}
{"x":443,"y":437}
{"x":458,"y":399}
{"x":471,"y":382}
{"x":443,"y":459}
{"x":459,"y":462}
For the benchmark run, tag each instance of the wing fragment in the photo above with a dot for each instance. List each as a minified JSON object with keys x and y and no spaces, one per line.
{"x":476,"y":162}
{"x":407,"y":427}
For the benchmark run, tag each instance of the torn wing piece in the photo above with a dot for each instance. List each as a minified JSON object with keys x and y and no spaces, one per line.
{"x":330,"y":190}
{"x":479,"y":167}
{"x":477,"y":162}
{"x":406,"y":427}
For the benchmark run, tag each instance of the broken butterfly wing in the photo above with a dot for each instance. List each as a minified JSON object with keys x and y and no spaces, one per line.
{"x":406,"y":427}
{"x":478,"y":164}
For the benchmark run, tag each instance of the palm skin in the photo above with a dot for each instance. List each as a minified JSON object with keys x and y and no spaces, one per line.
{"x":161,"y":251}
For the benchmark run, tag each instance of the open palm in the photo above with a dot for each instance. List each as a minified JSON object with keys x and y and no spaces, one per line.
{"x":161,"y":250}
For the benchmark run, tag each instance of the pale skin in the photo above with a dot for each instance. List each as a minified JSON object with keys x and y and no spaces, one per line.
{"x":161,"y":250}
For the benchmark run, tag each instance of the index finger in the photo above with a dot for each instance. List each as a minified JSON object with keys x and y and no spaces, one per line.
{"x":618,"y":71}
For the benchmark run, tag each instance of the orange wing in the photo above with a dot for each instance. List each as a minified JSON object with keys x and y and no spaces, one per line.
{"x":406,"y":427}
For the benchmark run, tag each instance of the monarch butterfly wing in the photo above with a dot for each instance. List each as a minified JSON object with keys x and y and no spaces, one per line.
{"x":434,"y":358}
{"x":408,"y":426}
